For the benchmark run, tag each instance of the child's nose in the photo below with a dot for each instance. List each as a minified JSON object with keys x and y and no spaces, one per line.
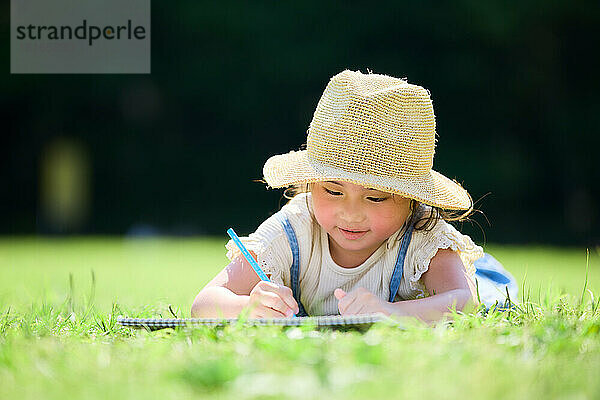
{"x":352,"y":213}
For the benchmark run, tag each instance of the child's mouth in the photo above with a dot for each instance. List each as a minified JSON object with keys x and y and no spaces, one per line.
{"x":352,"y":235}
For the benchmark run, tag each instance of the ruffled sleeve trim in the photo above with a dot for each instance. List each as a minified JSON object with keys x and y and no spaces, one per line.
{"x":264,"y":255}
{"x":270,"y":243}
{"x":442,"y":236}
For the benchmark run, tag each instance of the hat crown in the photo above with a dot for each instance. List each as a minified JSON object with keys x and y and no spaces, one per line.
{"x":373,"y":124}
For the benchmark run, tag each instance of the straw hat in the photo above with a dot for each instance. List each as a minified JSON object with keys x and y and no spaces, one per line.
{"x":376,"y":131}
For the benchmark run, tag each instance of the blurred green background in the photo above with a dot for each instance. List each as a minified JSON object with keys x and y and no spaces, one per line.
{"x":162,"y":271}
{"x":514,"y":87}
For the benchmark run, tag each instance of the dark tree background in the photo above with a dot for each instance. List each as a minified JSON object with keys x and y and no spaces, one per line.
{"x":514,"y":84}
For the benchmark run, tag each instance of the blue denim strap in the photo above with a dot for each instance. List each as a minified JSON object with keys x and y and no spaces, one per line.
{"x":397,"y":274}
{"x":295,"y":268}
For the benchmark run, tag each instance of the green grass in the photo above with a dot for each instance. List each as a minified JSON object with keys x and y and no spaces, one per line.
{"x":58,"y":338}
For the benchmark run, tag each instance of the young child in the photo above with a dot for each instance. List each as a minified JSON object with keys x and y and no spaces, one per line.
{"x":366,"y":230}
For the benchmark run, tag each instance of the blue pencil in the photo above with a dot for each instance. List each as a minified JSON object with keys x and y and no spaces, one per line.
{"x":248,"y":257}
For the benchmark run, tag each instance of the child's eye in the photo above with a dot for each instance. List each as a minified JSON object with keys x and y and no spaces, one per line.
{"x":332,"y":192}
{"x":377,"y":199}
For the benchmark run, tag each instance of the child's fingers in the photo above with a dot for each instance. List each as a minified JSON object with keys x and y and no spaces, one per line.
{"x":262,"y":311}
{"x":355,"y":308}
{"x":339,"y":293}
{"x":266,"y":286}
{"x":346,"y":301}
{"x":352,"y":302}
{"x":284,"y":293}
{"x":287,"y":296}
{"x":274,"y":301}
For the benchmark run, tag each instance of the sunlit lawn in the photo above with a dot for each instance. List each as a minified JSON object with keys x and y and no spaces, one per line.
{"x":59,"y":298}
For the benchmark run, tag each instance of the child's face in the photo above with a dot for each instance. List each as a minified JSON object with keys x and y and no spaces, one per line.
{"x":357,"y":219}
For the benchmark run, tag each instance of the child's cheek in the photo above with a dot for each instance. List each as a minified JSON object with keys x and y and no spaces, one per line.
{"x":322,"y":212}
{"x":388,"y":221}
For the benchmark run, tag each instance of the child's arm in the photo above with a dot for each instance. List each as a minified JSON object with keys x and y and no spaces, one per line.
{"x":446,"y":280}
{"x":237,"y":287}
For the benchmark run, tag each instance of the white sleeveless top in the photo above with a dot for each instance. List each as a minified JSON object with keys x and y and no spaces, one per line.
{"x":319,"y":275}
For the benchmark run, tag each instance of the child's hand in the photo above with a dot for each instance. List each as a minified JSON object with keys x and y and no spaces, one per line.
{"x":269,"y":300}
{"x":360,"y":301}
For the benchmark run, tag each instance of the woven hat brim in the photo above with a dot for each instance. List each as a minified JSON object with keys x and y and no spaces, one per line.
{"x":432,"y":188}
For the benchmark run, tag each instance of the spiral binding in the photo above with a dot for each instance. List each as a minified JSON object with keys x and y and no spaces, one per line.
{"x":332,"y":321}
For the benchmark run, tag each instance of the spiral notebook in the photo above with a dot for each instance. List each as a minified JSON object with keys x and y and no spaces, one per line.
{"x":355,"y":322}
